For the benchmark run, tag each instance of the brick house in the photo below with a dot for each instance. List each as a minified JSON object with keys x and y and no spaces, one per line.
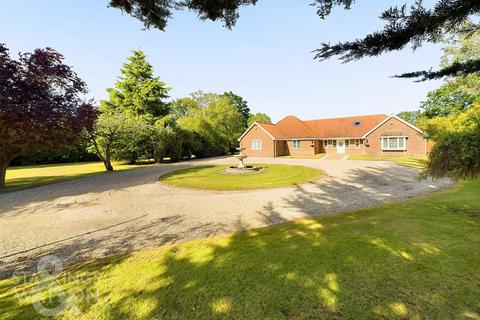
{"x":371,"y":135}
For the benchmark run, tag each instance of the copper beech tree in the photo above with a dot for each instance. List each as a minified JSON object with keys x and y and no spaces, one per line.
{"x":41,"y":106}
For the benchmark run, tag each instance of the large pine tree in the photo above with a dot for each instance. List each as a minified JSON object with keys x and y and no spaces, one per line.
{"x":138,"y":92}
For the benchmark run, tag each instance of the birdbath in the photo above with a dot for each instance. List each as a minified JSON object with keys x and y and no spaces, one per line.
{"x":240,"y":158}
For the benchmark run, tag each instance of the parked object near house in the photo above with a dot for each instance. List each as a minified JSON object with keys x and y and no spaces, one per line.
{"x":372,"y":135}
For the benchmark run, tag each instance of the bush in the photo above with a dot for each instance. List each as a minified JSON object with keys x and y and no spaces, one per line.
{"x":456,"y":156}
{"x":456,"y":153}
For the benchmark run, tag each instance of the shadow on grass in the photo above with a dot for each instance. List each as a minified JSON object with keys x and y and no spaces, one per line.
{"x":394,"y":261}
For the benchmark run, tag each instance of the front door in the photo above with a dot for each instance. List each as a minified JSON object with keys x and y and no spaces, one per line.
{"x":340,"y":146}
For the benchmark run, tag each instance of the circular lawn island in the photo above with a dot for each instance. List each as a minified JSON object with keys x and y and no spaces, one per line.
{"x":218,"y":178}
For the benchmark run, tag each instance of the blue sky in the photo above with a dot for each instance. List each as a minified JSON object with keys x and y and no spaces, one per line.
{"x":266,"y":58}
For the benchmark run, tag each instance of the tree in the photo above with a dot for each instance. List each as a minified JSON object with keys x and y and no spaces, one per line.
{"x":180,"y":107}
{"x":450,"y":98}
{"x":456,"y":153}
{"x":216,"y":126}
{"x":461,"y":92}
{"x":141,"y":98}
{"x":138,"y":92}
{"x":404,"y":26}
{"x":41,"y":106}
{"x":133,"y":141}
{"x":163,"y":138}
{"x":241,"y":105}
{"x":108,"y":130}
{"x":259,"y":117}
{"x":410,"y":116}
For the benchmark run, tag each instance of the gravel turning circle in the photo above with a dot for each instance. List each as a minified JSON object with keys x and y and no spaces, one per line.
{"x":216,"y":177}
{"x":125,"y":211}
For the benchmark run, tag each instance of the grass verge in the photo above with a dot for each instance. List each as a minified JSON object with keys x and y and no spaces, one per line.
{"x":31,"y":176}
{"x":315,"y":156}
{"x":416,"y":162}
{"x":416,"y":259}
{"x":211,"y":178}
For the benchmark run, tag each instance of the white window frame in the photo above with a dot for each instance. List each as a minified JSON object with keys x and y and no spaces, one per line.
{"x":358,"y":143}
{"x":347,"y":143}
{"x":397,"y":148}
{"x":296,"y":144}
{"x":325,"y":144}
{"x":256,"y":145}
{"x":334,"y":143}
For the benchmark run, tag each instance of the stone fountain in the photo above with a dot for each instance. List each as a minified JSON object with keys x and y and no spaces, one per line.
{"x":241,"y":168}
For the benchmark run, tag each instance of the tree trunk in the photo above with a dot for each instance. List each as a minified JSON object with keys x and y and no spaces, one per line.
{"x":108,"y":165}
{"x":3,"y":174}
{"x":106,"y":161}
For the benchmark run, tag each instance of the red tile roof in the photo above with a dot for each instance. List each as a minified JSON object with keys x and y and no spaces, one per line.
{"x":291,"y":127}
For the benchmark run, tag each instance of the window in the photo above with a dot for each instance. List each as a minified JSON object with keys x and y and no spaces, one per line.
{"x":394,"y":143}
{"x":347,"y":143}
{"x":325,"y":144}
{"x":256,"y":145}
{"x":357,"y":143}
{"x":296,"y":144}
{"x":334,"y":143}
{"x":356,"y":123}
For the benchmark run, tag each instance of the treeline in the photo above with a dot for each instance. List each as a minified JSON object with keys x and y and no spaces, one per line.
{"x":137,"y":122}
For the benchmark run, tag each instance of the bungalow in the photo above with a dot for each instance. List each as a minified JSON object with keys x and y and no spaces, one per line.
{"x":371,"y":135}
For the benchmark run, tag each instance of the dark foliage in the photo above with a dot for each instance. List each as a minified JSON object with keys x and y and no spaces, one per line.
{"x":456,"y":155}
{"x":404,"y":26}
{"x":241,"y":105}
{"x":40,"y":105}
{"x":156,"y":13}
{"x":74,"y":153}
{"x":455,"y":69}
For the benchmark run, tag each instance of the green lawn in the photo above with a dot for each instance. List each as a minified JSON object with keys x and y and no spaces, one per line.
{"x":416,"y":162}
{"x":417,"y":259}
{"x":31,"y":176}
{"x":209,"y":177}
{"x":315,"y":156}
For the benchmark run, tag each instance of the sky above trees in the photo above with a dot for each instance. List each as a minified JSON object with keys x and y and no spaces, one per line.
{"x":266,"y":58}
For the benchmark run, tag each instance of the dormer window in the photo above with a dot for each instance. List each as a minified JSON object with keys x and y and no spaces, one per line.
{"x":356,"y":123}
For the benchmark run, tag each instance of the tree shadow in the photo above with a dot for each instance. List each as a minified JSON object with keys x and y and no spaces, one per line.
{"x":120,"y":238}
{"x":16,"y":201}
{"x":360,"y":188}
{"x":394,"y":262}
{"x":349,"y":266}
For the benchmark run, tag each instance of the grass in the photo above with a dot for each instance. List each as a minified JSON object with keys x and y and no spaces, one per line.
{"x":416,"y":162}
{"x":37,"y":175}
{"x":211,"y":178}
{"x":315,"y":156}
{"x":417,"y":259}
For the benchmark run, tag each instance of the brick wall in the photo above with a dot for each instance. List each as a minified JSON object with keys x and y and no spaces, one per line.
{"x":350,"y":149}
{"x":416,"y":143}
{"x":307,"y":147}
{"x":257,"y":133}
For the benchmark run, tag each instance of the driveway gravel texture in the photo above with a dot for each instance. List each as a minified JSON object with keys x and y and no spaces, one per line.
{"x":126,"y":211}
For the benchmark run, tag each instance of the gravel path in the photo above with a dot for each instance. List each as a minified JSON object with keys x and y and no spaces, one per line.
{"x":125,"y":211}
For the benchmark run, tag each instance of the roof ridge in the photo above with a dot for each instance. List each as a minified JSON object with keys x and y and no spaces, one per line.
{"x":337,"y":118}
{"x":287,"y":116}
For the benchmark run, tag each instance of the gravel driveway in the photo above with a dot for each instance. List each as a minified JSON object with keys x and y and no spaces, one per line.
{"x":125,"y":211}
